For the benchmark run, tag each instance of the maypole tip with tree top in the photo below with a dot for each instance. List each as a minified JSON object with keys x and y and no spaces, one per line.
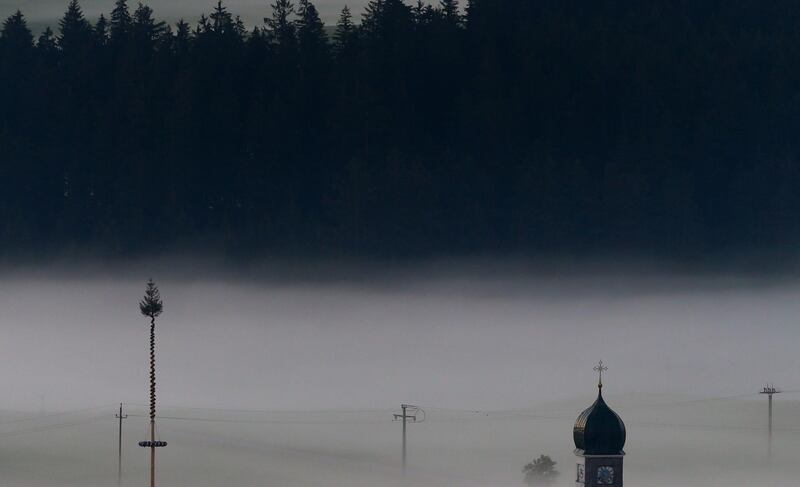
{"x":151,"y":306}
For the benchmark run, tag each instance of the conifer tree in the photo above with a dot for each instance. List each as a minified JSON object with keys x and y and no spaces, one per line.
{"x":312,"y":86}
{"x":222,"y":22}
{"x":75,"y":31}
{"x":203,"y":26}
{"x":120,"y":21}
{"x":239,"y":28}
{"x":166,"y":40}
{"x":386,"y":18}
{"x":47,"y":56}
{"x":256,"y":33}
{"x":16,"y":75}
{"x":281,"y":27}
{"x":312,"y":40}
{"x":344,"y":35}
{"x":371,"y":16}
{"x":183,"y":35}
{"x":145,"y":28}
{"x":47,"y":41}
{"x":15,"y":36}
{"x":308,"y":21}
{"x":101,"y":31}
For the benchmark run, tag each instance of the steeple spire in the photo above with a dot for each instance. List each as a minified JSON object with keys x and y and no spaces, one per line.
{"x":599,"y":436}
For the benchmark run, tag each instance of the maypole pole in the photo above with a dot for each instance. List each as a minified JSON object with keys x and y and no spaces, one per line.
{"x":151,"y":306}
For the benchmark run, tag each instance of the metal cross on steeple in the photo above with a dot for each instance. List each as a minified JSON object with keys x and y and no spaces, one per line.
{"x":599,"y":368}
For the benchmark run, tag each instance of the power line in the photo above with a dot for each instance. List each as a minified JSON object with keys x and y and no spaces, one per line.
{"x":54,"y":415}
{"x":429,"y":408}
{"x":41,"y":429}
{"x":268,"y":411}
{"x":491,"y":416}
{"x":470,"y":415}
{"x":701,"y":400}
{"x":260,"y":421}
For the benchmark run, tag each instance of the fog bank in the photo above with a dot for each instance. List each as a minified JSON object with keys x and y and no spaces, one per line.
{"x":500,"y":355}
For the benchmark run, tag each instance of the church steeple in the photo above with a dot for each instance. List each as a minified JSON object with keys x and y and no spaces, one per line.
{"x":599,"y":436}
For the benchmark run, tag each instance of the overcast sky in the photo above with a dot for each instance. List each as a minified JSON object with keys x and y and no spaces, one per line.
{"x":252,"y":11}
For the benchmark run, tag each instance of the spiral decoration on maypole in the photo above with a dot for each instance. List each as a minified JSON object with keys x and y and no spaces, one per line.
{"x":152,"y":368}
{"x":151,"y":306}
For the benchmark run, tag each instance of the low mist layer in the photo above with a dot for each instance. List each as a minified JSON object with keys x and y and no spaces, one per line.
{"x":291,"y":378}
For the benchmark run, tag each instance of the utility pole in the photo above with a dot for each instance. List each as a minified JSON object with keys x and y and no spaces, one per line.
{"x":769,"y":390}
{"x":119,"y":465}
{"x":409,"y":413}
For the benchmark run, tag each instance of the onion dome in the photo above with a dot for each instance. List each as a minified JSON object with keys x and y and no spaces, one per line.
{"x":599,"y":430}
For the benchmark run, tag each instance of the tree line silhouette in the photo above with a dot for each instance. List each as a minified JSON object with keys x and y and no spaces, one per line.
{"x":519,"y":125}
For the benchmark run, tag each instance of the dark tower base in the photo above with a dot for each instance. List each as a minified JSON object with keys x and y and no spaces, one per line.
{"x":598,"y":470}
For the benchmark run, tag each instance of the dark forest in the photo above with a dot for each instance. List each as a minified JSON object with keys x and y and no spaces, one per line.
{"x":665,"y":126}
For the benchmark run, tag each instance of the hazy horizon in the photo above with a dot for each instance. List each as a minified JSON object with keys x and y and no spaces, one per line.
{"x":252,"y":12}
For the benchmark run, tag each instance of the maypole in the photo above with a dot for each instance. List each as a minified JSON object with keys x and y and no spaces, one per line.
{"x":151,"y":306}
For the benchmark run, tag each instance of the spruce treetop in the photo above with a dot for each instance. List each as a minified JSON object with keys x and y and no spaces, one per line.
{"x":73,"y":23}
{"x":281,"y":26}
{"x":151,"y":305}
{"x":47,"y":40}
{"x":345,"y":29}
{"x":16,"y":33}
{"x":222,"y":21}
{"x":120,"y":19}
{"x":101,"y":30}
